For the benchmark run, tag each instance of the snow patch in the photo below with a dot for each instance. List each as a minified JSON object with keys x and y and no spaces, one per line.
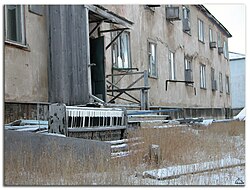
{"x":177,"y":171}
{"x":207,"y":122}
{"x":241,"y":116}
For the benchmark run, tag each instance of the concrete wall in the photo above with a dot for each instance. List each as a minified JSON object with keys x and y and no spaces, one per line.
{"x":36,"y":159}
{"x":170,"y":36}
{"x":25,"y":70}
{"x":238,"y":77}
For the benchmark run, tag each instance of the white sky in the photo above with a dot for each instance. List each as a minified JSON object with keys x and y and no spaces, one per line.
{"x":232,"y":16}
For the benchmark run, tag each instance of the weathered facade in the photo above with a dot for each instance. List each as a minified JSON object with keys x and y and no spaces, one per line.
{"x":151,"y":25}
{"x":79,"y":54}
{"x":25,"y":63}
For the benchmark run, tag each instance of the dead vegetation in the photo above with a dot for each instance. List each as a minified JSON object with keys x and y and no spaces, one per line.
{"x":179,"y":145}
{"x":186,"y":145}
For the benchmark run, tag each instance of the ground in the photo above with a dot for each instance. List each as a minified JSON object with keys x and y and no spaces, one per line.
{"x":178,"y":146}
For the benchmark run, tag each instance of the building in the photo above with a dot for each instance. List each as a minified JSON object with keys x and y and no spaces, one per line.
{"x":78,"y":54}
{"x":238,"y":76}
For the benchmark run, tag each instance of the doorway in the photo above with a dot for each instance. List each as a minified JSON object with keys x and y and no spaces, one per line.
{"x":98,"y":81}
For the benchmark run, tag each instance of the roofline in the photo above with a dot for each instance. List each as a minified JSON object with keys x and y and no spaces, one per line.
{"x":213,"y":19}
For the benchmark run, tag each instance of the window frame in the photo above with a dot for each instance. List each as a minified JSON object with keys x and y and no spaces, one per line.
{"x":150,"y":65}
{"x":225,"y":49}
{"x":201,"y":31}
{"x":221,"y":82}
{"x":219,"y":39}
{"x":186,"y":16}
{"x":188,"y":67}
{"x":22,"y":43}
{"x":227,"y":84}
{"x":117,"y":50}
{"x":211,"y":36}
{"x":203,"y":76}
{"x":213,"y":79}
{"x":172,"y":66}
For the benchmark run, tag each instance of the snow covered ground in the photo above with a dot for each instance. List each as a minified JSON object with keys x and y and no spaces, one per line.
{"x":227,"y":176}
{"x":176,"y":171}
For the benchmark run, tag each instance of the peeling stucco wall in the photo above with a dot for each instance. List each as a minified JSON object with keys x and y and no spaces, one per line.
{"x":170,"y":36}
{"x":25,"y":71}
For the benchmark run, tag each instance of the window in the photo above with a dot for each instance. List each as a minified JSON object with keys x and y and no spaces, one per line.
{"x":227,"y":85}
{"x":200,"y":30}
{"x":220,"y":82}
{"x":172,"y":65}
{"x":225,"y":50}
{"x":210,"y":35}
{"x":219,"y":39}
{"x":213,"y":81}
{"x":186,"y":19}
{"x":121,"y":56}
{"x":14,"y":23}
{"x":188,"y":69}
{"x":202,"y":76}
{"x":152,"y":59}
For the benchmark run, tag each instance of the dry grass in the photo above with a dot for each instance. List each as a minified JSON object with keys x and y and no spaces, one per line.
{"x":185,"y":145}
{"x":179,"y":145}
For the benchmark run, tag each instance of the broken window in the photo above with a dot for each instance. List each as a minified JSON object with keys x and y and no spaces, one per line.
{"x":202,"y":76}
{"x":121,"y":56}
{"x":200,"y":30}
{"x":188,"y":69}
{"x":220,"y":82}
{"x":152,"y":60}
{"x":14,"y":23}
{"x":186,"y":20}
{"x":227,"y":85}
{"x":172,"y":65}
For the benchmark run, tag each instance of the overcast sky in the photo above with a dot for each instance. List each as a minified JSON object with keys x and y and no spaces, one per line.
{"x":232,"y":16}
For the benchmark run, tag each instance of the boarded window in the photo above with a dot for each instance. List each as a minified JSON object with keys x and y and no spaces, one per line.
{"x":14,"y":23}
{"x":200,"y":30}
{"x":121,"y":54}
{"x":171,"y":61}
{"x":152,"y":59}
{"x":202,"y":76}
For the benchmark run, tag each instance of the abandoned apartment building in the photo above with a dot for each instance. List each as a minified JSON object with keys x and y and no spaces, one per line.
{"x":138,"y":57}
